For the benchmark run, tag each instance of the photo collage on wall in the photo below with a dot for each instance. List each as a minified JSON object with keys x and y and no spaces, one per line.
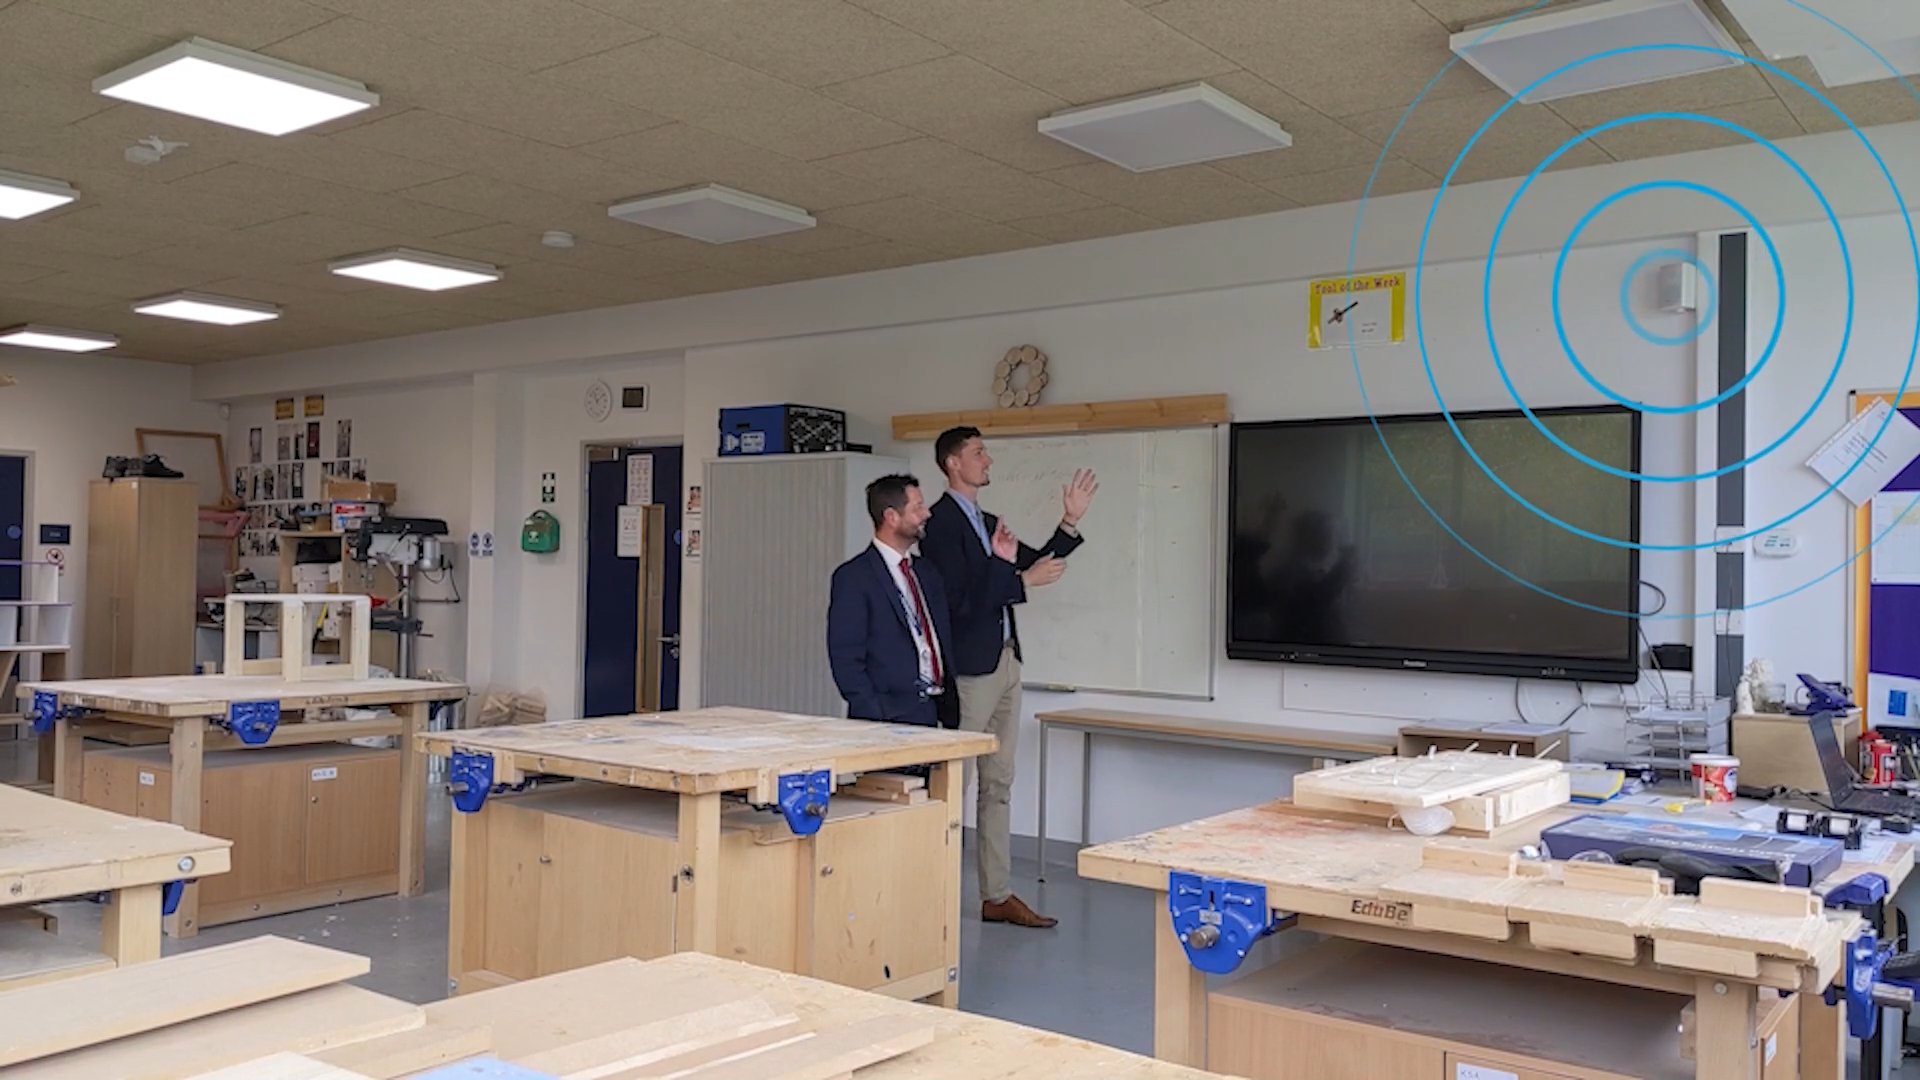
{"x":280,"y":483}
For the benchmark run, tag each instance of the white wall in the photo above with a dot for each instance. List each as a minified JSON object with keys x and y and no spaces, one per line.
{"x":69,"y":413}
{"x":1250,"y":343}
{"x":417,"y":437}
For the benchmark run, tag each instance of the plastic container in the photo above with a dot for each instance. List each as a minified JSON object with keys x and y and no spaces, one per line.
{"x":1715,"y":776}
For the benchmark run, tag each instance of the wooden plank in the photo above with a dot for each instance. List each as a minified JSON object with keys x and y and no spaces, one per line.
{"x":1193,"y":410}
{"x":891,"y":783}
{"x":671,"y":1037}
{"x":30,"y":956}
{"x":282,"y":1067}
{"x":92,"y":1009}
{"x":831,"y":1052}
{"x":299,"y":1023}
{"x":1428,"y":780}
{"x":706,"y":750}
{"x":1122,"y":721}
{"x":1758,"y":897}
{"x":410,"y":1051}
{"x":173,"y":696}
{"x":718,"y":1054}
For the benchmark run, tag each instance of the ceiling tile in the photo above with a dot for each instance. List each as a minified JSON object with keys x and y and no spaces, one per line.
{"x":805,"y":42}
{"x":1691,"y":94}
{"x":46,"y":97}
{"x":682,"y":155}
{"x":462,"y":146}
{"x":962,"y":101}
{"x":751,"y":259}
{"x":1769,"y":119}
{"x":244,"y":24}
{"x":1181,"y":196}
{"x":1367,"y":55}
{"x":673,"y":79}
{"x":1079,"y":50}
{"x":19,"y":273}
{"x":409,"y":71}
{"x":1319,"y":143}
{"x":50,"y":232}
{"x":68,"y":44}
{"x":822,"y":237}
{"x":497,"y":200}
{"x":1087,"y":224}
{"x":118,"y":218}
{"x":521,"y":242}
{"x":923,"y":225}
{"x":943,"y":173}
{"x":242,"y":184}
{"x":1457,"y":15}
{"x":313,"y":236}
{"x":79,"y":149}
{"x":1889,"y":101}
{"x":337,"y":159}
{"x":525,"y":35}
{"x":1434,"y":133}
{"x":708,"y":280}
{"x":1395,"y":177}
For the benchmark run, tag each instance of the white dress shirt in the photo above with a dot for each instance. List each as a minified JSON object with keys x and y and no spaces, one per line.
{"x":925,"y":639}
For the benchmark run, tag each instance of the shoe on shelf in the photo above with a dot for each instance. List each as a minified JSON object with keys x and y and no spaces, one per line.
{"x":151,"y":466}
{"x":114,"y":469}
{"x":1014,"y":910}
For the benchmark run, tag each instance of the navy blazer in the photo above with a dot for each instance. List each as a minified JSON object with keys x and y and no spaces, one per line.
{"x":981,"y":586}
{"x":870,"y":643}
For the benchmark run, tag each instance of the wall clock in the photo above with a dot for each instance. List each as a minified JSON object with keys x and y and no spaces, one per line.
{"x":599,"y":401}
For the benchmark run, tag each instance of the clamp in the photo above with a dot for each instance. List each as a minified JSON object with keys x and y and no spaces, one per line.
{"x":47,"y":711}
{"x":1875,"y":977}
{"x":1219,"y":920}
{"x":470,"y":780}
{"x":803,"y":798}
{"x":253,"y":722}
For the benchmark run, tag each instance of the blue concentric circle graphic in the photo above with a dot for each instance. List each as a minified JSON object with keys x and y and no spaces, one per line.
{"x":1704,"y":321}
{"x":1628,"y":281}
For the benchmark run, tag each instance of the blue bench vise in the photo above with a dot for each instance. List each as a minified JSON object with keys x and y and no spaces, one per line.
{"x":802,"y":798}
{"x":1875,"y":977}
{"x":252,"y":722}
{"x":47,"y":711}
{"x":1218,"y":920}
{"x":470,"y":780}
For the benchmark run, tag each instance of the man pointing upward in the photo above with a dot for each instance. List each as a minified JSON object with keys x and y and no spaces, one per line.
{"x":987,"y":571}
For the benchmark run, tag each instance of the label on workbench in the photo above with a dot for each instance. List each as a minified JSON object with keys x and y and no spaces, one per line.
{"x":1773,"y":1047}
{"x":146,"y":778}
{"x":327,"y":773}
{"x":1464,"y":1071}
{"x":1383,"y":911}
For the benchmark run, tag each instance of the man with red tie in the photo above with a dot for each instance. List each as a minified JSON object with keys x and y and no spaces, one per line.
{"x":887,"y":622}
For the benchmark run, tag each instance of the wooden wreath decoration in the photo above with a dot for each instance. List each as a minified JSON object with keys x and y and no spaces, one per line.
{"x":1019,"y":377}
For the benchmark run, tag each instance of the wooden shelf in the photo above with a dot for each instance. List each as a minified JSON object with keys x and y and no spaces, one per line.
{"x":1197,"y":410}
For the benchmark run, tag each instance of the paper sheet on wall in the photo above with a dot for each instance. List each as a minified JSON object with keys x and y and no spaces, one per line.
{"x":1880,"y":460}
{"x":639,"y":479}
{"x":1895,"y":558}
{"x":626,"y":544}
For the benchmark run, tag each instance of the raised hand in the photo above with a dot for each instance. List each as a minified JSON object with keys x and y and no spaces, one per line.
{"x":1077,"y":495}
{"x":1044,"y":572}
{"x":1005,"y":544}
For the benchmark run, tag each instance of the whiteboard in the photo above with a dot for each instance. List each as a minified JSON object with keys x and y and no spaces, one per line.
{"x":1135,"y":610}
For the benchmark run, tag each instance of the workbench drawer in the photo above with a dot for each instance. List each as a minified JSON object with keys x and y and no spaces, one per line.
{"x":580,"y":873}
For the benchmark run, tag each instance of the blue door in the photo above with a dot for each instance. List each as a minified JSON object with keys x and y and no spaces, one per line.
{"x":614,"y":588}
{"x":13,"y":523}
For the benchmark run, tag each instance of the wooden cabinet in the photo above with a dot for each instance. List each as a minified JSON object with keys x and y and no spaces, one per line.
{"x":579,"y":873}
{"x":309,"y":824}
{"x":1343,"y":1010}
{"x":139,"y":592}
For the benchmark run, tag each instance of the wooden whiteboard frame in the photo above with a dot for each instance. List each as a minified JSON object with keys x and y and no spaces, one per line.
{"x":1860,"y":544}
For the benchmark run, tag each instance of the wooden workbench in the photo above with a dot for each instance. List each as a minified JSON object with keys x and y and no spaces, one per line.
{"x":1339,"y":876}
{"x":56,"y":850}
{"x":192,"y":708}
{"x":672,"y":845}
{"x":588,"y":1022}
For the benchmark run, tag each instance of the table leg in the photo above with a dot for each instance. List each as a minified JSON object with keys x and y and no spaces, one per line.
{"x":413,"y":799}
{"x":1823,"y":1039}
{"x":69,"y":773}
{"x":1086,"y":788}
{"x":466,"y":897}
{"x":130,"y":925}
{"x":1726,"y":1046}
{"x":1179,"y":995}
{"x":187,"y":745}
{"x":1043,"y":800}
{"x":949,"y":783}
{"x":696,"y":912}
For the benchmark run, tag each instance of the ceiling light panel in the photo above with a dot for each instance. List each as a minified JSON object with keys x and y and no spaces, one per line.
{"x":1176,"y":127}
{"x":1515,"y":52}
{"x":416,"y":270}
{"x":35,"y":336}
{"x":716,"y":214}
{"x":231,"y":86}
{"x":1850,"y":65}
{"x":1782,"y":29}
{"x":24,"y":196}
{"x":206,"y":308}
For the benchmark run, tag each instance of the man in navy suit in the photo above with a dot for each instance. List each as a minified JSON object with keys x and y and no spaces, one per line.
{"x":887,"y":628}
{"x":987,"y":571}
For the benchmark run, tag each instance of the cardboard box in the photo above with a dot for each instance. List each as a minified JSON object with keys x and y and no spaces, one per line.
{"x":1808,"y":858}
{"x":379,"y":491}
{"x":1777,"y":750}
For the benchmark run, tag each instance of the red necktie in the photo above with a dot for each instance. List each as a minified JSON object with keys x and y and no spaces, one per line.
{"x":920,"y":614}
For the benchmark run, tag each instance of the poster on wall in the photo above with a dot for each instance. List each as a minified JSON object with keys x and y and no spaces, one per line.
{"x":343,"y":438}
{"x":639,"y":479}
{"x":627,"y":541}
{"x":255,"y":443}
{"x":313,"y":439}
{"x":1365,"y":309}
{"x":693,"y":544}
{"x":693,"y":500}
{"x":316,"y":405}
{"x":283,"y":409}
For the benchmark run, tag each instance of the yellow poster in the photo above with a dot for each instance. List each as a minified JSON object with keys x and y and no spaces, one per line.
{"x":283,"y":409}
{"x":1365,"y":309}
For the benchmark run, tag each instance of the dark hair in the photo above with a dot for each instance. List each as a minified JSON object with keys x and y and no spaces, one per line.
{"x":949,"y":444}
{"x":888,"y":493}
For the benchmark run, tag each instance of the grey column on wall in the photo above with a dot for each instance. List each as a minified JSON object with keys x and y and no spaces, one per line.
{"x":1730,"y":568}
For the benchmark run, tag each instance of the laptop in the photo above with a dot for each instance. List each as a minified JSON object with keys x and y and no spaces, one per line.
{"x":1844,"y":792}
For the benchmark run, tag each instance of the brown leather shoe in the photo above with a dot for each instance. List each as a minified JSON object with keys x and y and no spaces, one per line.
{"x":1014,"y":910}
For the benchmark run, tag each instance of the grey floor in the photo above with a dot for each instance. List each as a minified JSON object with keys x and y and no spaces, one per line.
{"x":1089,"y":977}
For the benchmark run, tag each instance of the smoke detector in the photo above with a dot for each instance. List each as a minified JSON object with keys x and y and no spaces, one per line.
{"x":150,"y":150}
{"x":554,"y":238}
